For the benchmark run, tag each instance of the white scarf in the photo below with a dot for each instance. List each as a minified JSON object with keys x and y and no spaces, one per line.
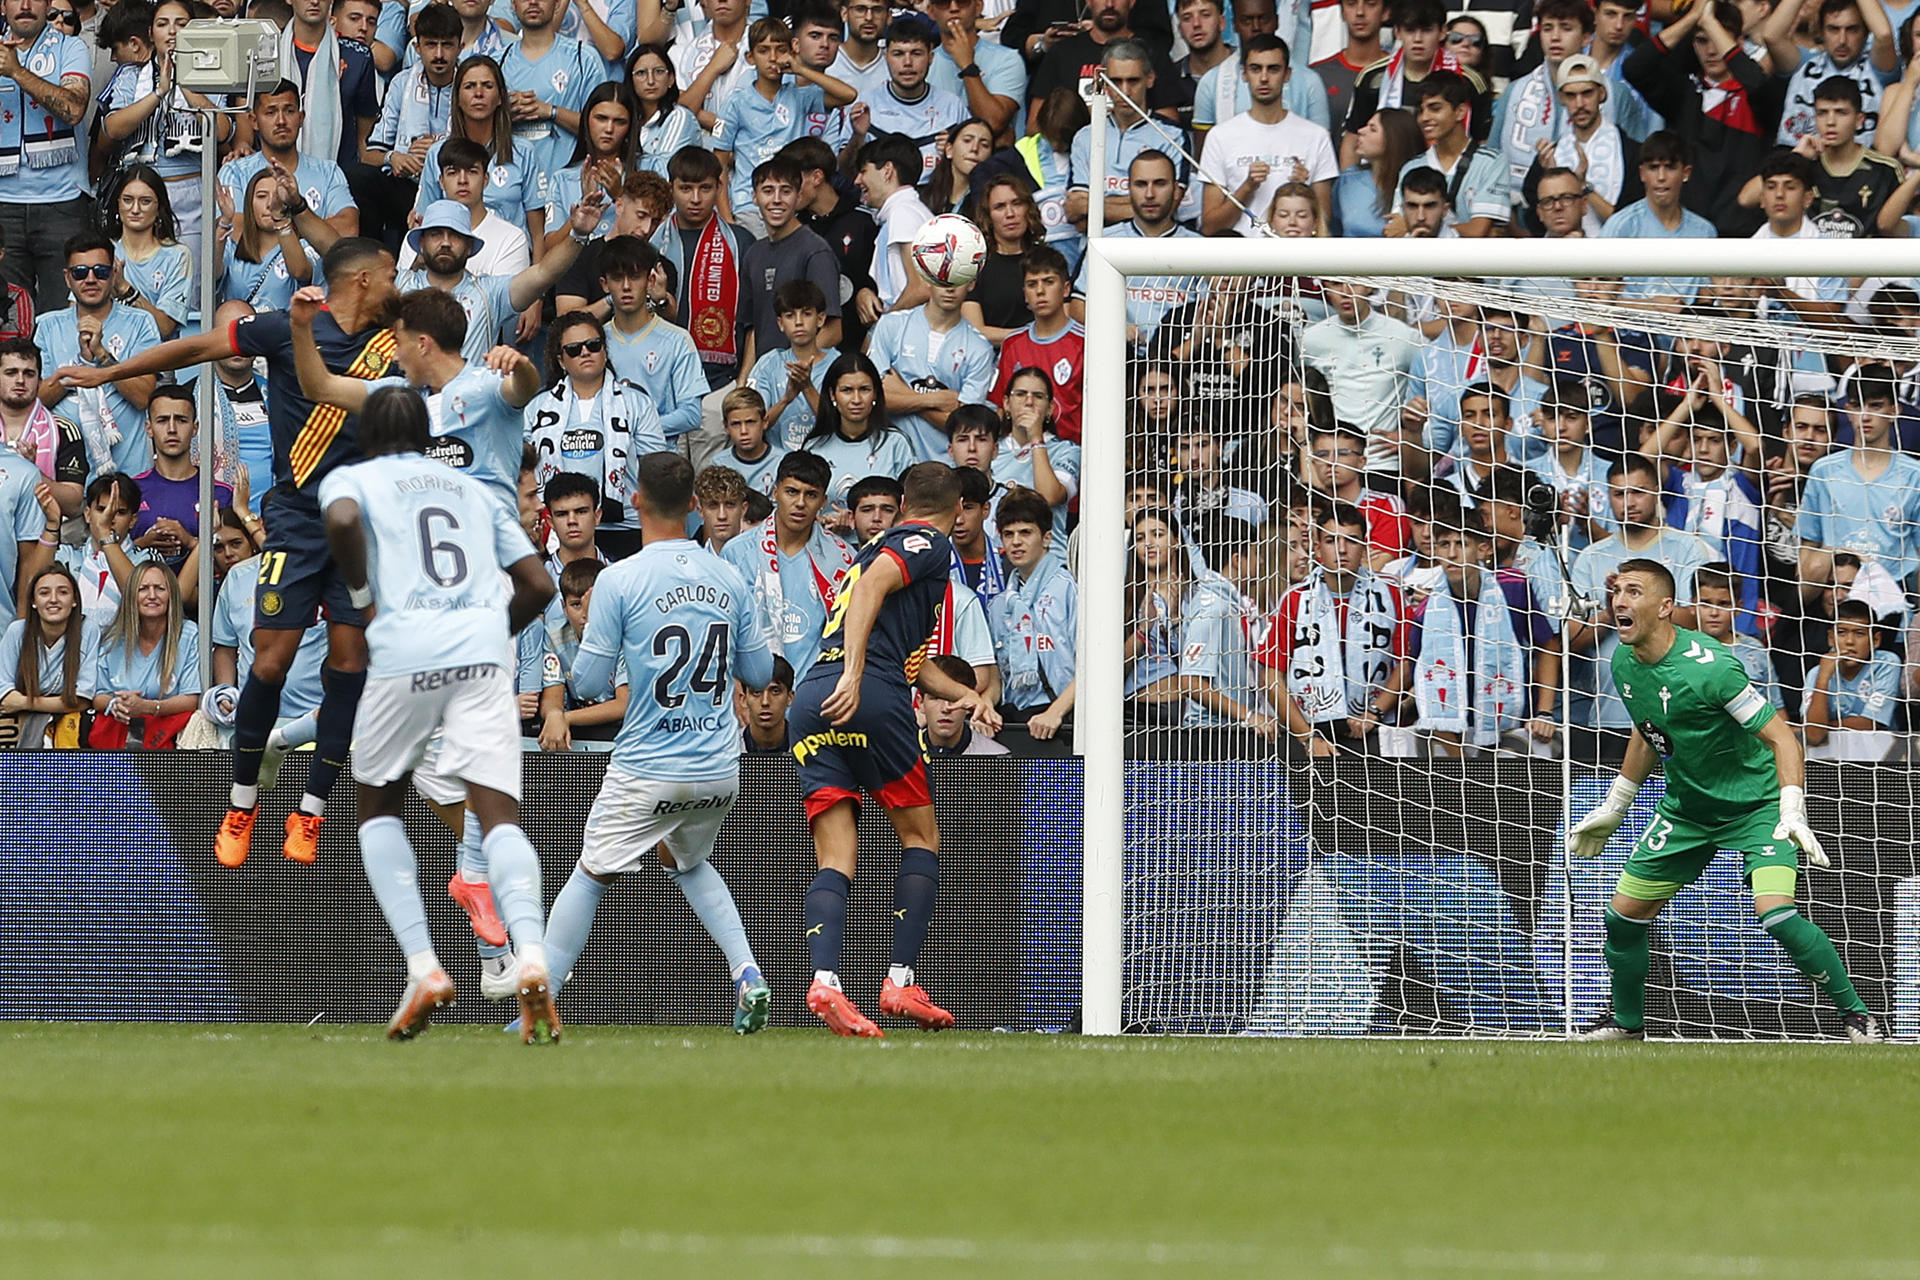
{"x":320,"y":135}
{"x":1498,"y":680}
{"x":1606,"y":166}
{"x":623,"y":409}
{"x":1334,"y":671}
{"x":423,"y":109}
{"x":1533,"y":113}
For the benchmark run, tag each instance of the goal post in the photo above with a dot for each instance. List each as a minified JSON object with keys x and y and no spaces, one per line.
{"x":1527,"y":970}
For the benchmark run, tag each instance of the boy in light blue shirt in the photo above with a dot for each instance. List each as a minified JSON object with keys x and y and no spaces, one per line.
{"x":748,"y":451}
{"x":1856,"y":685}
{"x":767,"y":112}
{"x":789,"y":380}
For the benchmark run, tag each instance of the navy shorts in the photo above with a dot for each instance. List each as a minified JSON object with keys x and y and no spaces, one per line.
{"x":297,"y":575}
{"x":880,"y":751}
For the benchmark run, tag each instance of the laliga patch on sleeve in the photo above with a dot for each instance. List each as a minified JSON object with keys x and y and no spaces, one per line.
{"x":917,"y":542}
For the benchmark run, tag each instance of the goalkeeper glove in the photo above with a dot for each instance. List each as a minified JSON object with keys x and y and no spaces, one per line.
{"x":1589,"y":836}
{"x":1793,"y":826}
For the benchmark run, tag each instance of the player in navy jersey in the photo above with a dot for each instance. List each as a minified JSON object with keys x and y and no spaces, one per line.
{"x":686,"y":625}
{"x":297,"y":573}
{"x":853,"y":731}
{"x":474,"y":408}
{"x":421,"y":549}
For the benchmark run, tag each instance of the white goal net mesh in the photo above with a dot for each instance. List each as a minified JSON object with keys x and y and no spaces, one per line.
{"x":1370,"y":521}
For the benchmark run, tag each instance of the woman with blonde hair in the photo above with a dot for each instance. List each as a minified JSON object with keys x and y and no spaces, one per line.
{"x":148,"y":682}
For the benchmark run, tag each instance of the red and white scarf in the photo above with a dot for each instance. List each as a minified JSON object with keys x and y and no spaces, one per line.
{"x":713,"y":294}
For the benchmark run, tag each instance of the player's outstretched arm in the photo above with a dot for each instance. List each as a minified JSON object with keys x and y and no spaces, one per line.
{"x":320,"y":383}
{"x":521,"y":377}
{"x":215,"y":344}
{"x":1590,"y":835}
{"x":1789,"y":764}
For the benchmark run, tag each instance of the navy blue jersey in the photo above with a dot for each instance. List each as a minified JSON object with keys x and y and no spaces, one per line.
{"x":908,"y":618}
{"x":309,"y":439}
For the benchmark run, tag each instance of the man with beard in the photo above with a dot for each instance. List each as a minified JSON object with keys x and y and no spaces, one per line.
{"x":445,"y":241}
{"x":50,"y":441}
{"x":297,"y":574}
{"x":313,"y":189}
{"x":1605,"y":160}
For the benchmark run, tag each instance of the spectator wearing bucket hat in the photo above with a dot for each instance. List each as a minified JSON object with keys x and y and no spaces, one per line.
{"x":444,"y":243}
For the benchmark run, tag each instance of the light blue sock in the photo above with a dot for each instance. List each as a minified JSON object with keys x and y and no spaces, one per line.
{"x":473,"y":866}
{"x":712,"y":901}
{"x":513,"y":868}
{"x":569,"y":922}
{"x":300,"y":731}
{"x":394,"y":874}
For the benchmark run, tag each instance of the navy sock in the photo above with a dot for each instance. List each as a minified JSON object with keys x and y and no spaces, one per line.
{"x":827,"y":918}
{"x":253,"y":718}
{"x":337,"y":706}
{"x":913,"y":893}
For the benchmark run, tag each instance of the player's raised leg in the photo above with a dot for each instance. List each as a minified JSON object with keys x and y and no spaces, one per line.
{"x":342,"y":680}
{"x":914,"y":890}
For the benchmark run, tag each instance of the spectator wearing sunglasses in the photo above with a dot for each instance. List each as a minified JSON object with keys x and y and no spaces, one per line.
{"x":101,"y":328}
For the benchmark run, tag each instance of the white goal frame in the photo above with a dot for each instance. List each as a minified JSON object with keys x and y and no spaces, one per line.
{"x":1101,"y":732}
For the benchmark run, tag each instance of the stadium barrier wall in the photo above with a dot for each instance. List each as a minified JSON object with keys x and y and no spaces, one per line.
{"x":111,"y":906}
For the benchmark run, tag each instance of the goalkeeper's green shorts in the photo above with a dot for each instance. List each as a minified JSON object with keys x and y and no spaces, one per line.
{"x":1673,"y":852}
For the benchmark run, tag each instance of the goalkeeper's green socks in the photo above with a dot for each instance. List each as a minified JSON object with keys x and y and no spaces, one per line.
{"x":1626,"y":953}
{"x":1813,"y":954}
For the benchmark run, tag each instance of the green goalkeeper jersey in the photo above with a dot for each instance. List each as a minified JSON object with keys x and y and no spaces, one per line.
{"x":1699,"y":710}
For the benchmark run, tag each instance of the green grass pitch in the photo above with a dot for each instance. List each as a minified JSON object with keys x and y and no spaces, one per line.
{"x":153,"y":1152}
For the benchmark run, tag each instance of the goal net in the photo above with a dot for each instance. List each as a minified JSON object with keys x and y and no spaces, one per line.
{"x":1346,"y":677}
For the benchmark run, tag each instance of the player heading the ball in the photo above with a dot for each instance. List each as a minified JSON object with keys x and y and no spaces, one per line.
{"x":1734,"y":775}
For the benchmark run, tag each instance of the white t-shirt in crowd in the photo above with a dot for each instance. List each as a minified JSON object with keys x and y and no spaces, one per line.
{"x":1234,"y":145}
{"x":900,"y":218}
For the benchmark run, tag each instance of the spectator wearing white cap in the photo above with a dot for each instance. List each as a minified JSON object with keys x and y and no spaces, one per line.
{"x":444,"y":243}
{"x":1588,"y":145}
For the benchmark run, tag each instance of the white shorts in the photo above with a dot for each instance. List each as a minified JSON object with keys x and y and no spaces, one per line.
{"x":632,"y":815}
{"x":472,"y":708}
{"x":432,"y":784}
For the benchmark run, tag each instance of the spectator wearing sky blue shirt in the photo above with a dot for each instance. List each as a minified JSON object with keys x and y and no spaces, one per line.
{"x":1129,"y":66}
{"x":149,"y":664}
{"x":1666,"y":164}
{"x":322,"y":204}
{"x":1856,"y":685}
{"x":99,"y":330}
{"x":935,"y":362}
{"x":768,"y":111}
{"x":1865,"y":499}
{"x":908,"y":104}
{"x":991,"y":77}
{"x":644,"y":349}
{"x":45,"y":77}
{"x":548,"y":79}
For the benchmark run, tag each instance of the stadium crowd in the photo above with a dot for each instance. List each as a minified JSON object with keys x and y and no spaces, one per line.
{"x":1330,"y":488}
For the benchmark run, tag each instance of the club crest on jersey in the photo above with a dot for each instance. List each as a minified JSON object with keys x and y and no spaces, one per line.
{"x":560,"y":81}
{"x":270,"y":604}
{"x":499,"y":175}
{"x":1062,"y":370}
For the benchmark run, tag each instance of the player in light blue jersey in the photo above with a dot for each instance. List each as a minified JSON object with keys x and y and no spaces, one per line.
{"x":475,"y":410}
{"x":687,"y":628}
{"x":420,"y":548}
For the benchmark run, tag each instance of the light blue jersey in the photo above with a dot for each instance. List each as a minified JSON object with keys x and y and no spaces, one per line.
{"x":50,"y":667}
{"x":966,"y":363}
{"x":563,"y":192}
{"x":1842,"y":510}
{"x":127,"y":332}
{"x":1870,"y":693}
{"x":1638,"y":221}
{"x":753,"y":128}
{"x":760,"y":473}
{"x":687,"y":628}
{"x":487,"y":300}
{"x":436,"y":543}
{"x":570,"y":71}
{"x":769,"y":377}
{"x":1002,"y":70}
{"x":21,"y":520}
{"x":1123,"y":145}
{"x":1219,"y":635}
{"x":233,"y":629}
{"x":793,"y":593}
{"x":322,"y":183}
{"x":514,"y":188}
{"x":54,"y":168}
{"x":475,"y":428}
{"x":165,"y":279}
{"x":1759,"y":668}
{"x":878,"y":453}
{"x":1035,"y":624}
{"x":662,"y":358}
{"x":1013,"y":464}
{"x":266,"y":285}
{"x":123,"y":666}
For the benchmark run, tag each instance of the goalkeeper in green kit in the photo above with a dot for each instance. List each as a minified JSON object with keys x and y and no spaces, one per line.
{"x":1734,"y":781}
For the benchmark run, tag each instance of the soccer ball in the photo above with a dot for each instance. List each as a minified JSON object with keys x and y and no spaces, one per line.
{"x":949,"y":251}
